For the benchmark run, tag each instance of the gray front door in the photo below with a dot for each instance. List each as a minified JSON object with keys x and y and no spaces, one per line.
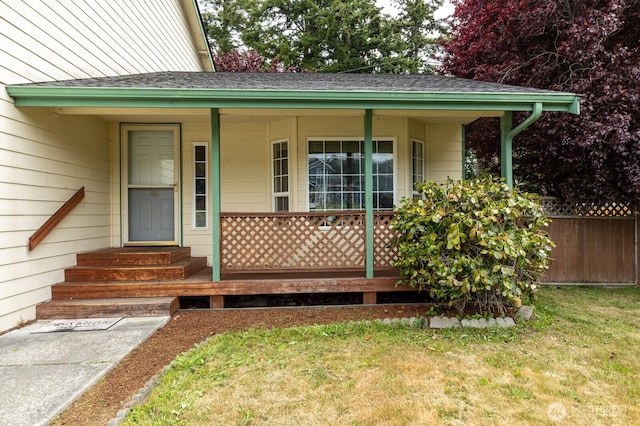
{"x":151,"y":179}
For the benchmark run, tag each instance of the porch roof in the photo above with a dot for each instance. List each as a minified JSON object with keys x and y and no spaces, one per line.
{"x":290,"y":90}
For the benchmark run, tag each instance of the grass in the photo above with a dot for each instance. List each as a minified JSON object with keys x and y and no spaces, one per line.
{"x":577,"y":363}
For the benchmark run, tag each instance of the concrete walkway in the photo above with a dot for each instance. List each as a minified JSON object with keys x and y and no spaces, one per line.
{"x":43,"y":373}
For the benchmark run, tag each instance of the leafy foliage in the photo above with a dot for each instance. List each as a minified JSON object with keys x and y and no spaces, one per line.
{"x":472,"y":241}
{"x":588,"y":47}
{"x":328,"y":35}
{"x":247,"y":61}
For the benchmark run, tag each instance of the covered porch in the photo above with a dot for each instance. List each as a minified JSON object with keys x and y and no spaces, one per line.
{"x":348,"y":147}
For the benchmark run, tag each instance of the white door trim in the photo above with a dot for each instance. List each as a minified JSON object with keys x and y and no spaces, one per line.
{"x":125,"y":186}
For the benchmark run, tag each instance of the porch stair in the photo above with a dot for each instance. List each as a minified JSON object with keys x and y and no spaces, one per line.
{"x":137,"y":268}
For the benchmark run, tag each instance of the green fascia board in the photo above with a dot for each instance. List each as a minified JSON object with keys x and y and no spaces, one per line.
{"x":211,"y":98}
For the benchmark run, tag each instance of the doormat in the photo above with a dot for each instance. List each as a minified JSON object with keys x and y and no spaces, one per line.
{"x":84,"y":324}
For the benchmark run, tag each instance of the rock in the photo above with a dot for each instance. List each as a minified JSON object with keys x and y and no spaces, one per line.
{"x":525,"y":312}
{"x":473,"y":323}
{"x":444,"y":322}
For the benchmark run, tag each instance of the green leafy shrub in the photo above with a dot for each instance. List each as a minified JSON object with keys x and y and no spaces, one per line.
{"x":472,"y":241}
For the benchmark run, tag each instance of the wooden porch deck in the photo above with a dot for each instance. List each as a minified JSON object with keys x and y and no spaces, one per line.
{"x":235,"y":284}
{"x":130,"y":281}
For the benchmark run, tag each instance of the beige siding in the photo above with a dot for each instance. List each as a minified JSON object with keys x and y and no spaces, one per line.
{"x":44,"y":160}
{"x":444,"y":152}
{"x":199,"y":240}
{"x":244,"y":167}
{"x":44,"y":40}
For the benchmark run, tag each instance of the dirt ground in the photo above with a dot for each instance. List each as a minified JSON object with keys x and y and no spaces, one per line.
{"x":186,"y":328}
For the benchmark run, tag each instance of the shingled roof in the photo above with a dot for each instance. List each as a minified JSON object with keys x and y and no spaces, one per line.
{"x":294,"y":81}
{"x":290,"y":90}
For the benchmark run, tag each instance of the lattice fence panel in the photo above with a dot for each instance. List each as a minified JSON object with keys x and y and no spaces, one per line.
{"x":295,"y":241}
{"x":382,"y":236}
{"x":555,"y":207}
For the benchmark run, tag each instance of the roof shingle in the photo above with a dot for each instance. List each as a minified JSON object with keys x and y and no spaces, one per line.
{"x":295,"y":82}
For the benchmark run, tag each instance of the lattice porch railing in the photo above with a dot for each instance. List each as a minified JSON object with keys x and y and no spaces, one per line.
{"x":302,"y":241}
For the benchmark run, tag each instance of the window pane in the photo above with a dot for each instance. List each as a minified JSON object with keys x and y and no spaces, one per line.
{"x":385,"y":183}
{"x":201,"y":186}
{"x":332,"y":147}
{"x":281,"y":204}
{"x":316,"y":147}
{"x":335,"y":183}
{"x":201,"y":153}
{"x":385,"y":147}
{"x":386,"y":201}
{"x":383,"y":163}
{"x":316,"y":201}
{"x":351,"y":147}
{"x":333,"y":201}
{"x":201,"y":202}
{"x":285,"y":184}
{"x":351,"y":165}
{"x":201,"y":219}
{"x":333,"y":164}
{"x":201,"y":170}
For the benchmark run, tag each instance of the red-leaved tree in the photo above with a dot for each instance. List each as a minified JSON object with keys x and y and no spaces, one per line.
{"x":247,"y":61}
{"x":588,"y":47}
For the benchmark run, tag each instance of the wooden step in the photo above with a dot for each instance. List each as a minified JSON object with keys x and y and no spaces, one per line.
{"x":108,"y":308}
{"x":108,"y":289}
{"x":174,"y":271}
{"x":127,"y":256}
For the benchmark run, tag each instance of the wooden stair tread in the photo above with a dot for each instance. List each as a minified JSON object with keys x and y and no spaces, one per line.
{"x":176,"y":270}
{"x":107,"y":307}
{"x":134,"y":256}
{"x":113,"y":301}
{"x":175,"y":265}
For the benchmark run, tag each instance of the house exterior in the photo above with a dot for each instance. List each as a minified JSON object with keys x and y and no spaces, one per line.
{"x":45,"y":157}
{"x":254,"y":172}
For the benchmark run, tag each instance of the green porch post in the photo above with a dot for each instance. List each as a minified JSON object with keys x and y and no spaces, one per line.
{"x":506,"y":137}
{"x":506,"y":142}
{"x":368,"y":191}
{"x":215,"y":192}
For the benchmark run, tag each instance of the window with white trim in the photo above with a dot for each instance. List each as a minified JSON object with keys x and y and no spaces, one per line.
{"x":336,"y":175}
{"x":200,"y":220}
{"x":280,"y":172}
{"x":417,"y":163}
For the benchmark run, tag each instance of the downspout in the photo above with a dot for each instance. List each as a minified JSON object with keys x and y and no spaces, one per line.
{"x":507,"y":134}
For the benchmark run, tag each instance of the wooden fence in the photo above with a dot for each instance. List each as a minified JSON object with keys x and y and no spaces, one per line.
{"x":594,"y":244}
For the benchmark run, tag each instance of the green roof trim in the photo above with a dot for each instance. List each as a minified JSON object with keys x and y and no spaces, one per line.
{"x":290,"y":90}
{"x":117,"y":97}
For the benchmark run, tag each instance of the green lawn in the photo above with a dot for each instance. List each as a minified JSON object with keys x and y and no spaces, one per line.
{"x":577,"y":363}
